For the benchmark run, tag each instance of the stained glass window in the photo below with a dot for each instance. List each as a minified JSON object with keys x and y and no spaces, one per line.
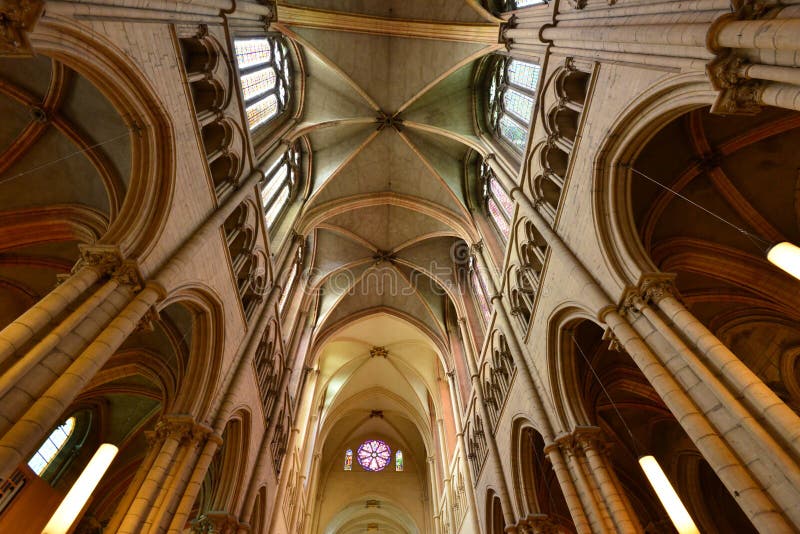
{"x":479,"y":291}
{"x":289,"y":285}
{"x":51,"y":447}
{"x":524,"y":75}
{"x":279,"y":186}
{"x":398,"y":461}
{"x":511,"y":99}
{"x":266,"y":76}
{"x":374,"y":455}
{"x":497,"y":203}
{"x":348,"y":460}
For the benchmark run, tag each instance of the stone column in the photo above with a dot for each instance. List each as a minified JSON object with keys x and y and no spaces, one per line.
{"x":435,"y":508}
{"x":480,"y":402}
{"x":759,"y":398}
{"x":15,"y":335}
{"x":448,"y":486}
{"x":21,"y":440}
{"x":212,"y":443}
{"x":170,"y":431}
{"x":462,"y":455}
{"x":756,"y":504}
{"x":182,"y":471}
{"x":594,"y":450}
{"x":599,"y":517}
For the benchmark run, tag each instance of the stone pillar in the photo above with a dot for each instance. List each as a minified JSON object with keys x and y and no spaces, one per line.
{"x":448,"y":486}
{"x":619,"y":508}
{"x":182,"y":471}
{"x":15,"y":335}
{"x":169,"y":432}
{"x":22,"y":439}
{"x":212,"y":443}
{"x":598,"y":515}
{"x":480,"y":403}
{"x":756,"y":504}
{"x":462,"y":455}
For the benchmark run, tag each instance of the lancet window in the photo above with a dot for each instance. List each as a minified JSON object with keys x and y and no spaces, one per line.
{"x":51,"y":447}
{"x":279,"y":187}
{"x":288,"y":287}
{"x":478,"y":290}
{"x":496,"y":202}
{"x":265,"y":74}
{"x":512,"y":94}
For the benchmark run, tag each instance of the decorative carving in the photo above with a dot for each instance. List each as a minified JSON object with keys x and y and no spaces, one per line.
{"x":653,"y":288}
{"x":389,"y":121}
{"x":738,"y":95}
{"x":577,"y":4}
{"x":104,"y":258}
{"x":128,"y":274}
{"x":613,"y":342}
{"x":216,"y":523}
{"x":17,"y":19}
{"x":378,"y":352}
{"x":148,"y":322}
{"x":632,"y":303}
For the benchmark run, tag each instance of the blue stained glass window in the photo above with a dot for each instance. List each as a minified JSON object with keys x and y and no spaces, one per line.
{"x":518,"y":104}
{"x":513,"y":132}
{"x":374,"y":455}
{"x":525,"y":75}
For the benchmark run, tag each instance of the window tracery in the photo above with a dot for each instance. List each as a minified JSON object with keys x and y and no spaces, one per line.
{"x":279,"y":186}
{"x":497,"y":203}
{"x":374,"y":455}
{"x":511,"y":99}
{"x":265,"y":74}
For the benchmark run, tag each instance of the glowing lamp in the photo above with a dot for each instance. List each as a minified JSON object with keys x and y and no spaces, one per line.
{"x":787,"y":257}
{"x":666,"y":494}
{"x":80,"y":492}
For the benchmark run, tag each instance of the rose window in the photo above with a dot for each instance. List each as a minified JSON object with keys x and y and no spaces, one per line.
{"x":374,"y":455}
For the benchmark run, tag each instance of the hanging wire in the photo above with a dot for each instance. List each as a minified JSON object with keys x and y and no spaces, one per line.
{"x":636,"y":445}
{"x":762,"y":244}
{"x":68,"y":156}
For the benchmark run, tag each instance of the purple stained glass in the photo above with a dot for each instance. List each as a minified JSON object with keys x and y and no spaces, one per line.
{"x":498,"y":218}
{"x":477,"y":289}
{"x":501,"y":196}
{"x":374,"y":455}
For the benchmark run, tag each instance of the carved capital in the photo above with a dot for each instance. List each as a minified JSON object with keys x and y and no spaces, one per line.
{"x":179,"y":427}
{"x":17,"y":19}
{"x":655,"y":287}
{"x":104,"y":258}
{"x":632,"y":303}
{"x":217,"y":522}
{"x":577,"y":4}
{"x":589,"y":438}
{"x":128,"y":274}
{"x":741,"y":99}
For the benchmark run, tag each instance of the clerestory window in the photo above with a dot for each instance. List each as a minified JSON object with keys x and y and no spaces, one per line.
{"x":511,"y":98}
{"x":280,"y":185}
{"x":265,"y":73}
{"x":498,"y":205}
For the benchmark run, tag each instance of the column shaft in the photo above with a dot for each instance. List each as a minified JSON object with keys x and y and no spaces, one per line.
{"x":30,"y":323}
{"x":25,"y":435}
{"x":754,"y":501}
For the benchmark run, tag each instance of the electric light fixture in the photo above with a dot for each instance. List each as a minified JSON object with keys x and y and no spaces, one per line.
{"x":666,"y":494}
{"x":786,"y":256}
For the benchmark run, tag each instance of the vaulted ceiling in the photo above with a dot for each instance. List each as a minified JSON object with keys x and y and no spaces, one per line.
{"x":389,"y":116}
